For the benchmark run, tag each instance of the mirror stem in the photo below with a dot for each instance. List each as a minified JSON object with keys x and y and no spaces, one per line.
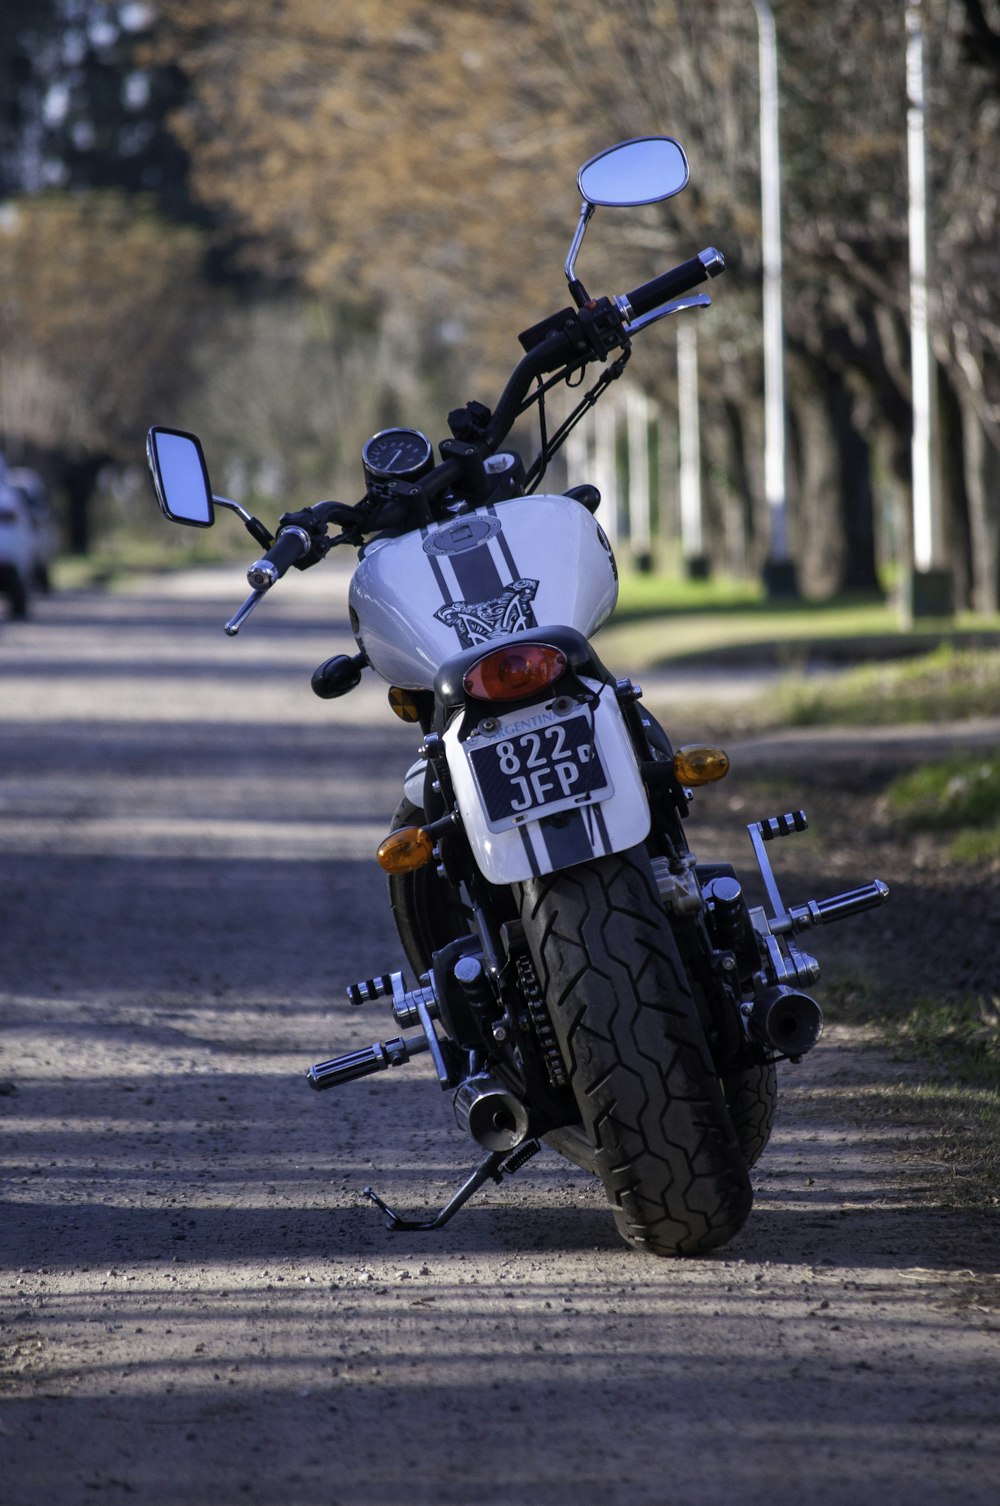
{"x":580,"y":295}
{"x":576,"y":287}
{"x":253,"y":525}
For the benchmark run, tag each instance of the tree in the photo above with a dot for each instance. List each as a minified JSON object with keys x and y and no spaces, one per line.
{"x":350,"y":148}
{"x":412,"y":161}
{"x":969,"y":329}
{"x":378,"y":150}
{"x":85,"y":106}
{"x":97,"y":305}
{"x":97,"y":283}
{"x":23,"y":25}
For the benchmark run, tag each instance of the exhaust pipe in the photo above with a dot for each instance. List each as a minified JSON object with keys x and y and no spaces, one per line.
{"x":789,"y":1021}
{"x":490,"y":1113}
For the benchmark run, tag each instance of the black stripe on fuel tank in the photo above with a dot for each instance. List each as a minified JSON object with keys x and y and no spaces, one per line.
{"x":477,"y":574}
{"x":447,"y":594}
{"x":504,"y":548}
{"x":566,"y":838}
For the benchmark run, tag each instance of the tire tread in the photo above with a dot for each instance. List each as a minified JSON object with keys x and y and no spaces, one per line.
{"x":651,"y":1105}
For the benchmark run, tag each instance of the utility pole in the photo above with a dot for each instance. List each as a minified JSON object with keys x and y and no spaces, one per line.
{"x":929,"y":589}
{"x":689,"y":433}
{"x":780,"y":578}
{"x":640,"y":479}
{"x":604,"y":470}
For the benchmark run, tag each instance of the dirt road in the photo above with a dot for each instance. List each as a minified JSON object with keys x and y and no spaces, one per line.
{"x":198,"y":1306}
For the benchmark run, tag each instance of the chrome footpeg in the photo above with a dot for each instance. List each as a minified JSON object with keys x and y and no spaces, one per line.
{"x":374,"y":1058}
{"x":821,"y":912}
{"x":815,"y":912}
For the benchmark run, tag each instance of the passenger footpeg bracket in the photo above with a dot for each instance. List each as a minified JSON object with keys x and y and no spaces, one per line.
{"x":785,"y":963}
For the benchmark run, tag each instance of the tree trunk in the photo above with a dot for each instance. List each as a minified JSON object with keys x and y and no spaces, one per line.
{"x":953,"y":500}
{"x":731,"y":457}
{"x":79,"y":481}
{"x":856,"y":504}
{"x":833,"y":516}
{"x":974,"y":380}
{"x":982,"y":485}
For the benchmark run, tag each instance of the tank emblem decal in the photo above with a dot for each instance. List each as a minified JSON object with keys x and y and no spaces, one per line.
{"x":477,"y":621}
{"x":605,"y":543}
{"x":461,"y":536}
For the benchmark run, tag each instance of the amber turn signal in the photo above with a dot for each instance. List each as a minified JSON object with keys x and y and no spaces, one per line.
{"x":510,"y":673}
{"x":695,"y":764}
{"x":404,"y":850}
{"x":403,"y":704}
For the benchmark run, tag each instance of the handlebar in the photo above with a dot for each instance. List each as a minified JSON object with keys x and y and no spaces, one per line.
{"x":572,"y":339}
{"x":556,"y":350}
{"x":291,"y":544}
{"x":566,"y":342}
{"x":650,"y":295}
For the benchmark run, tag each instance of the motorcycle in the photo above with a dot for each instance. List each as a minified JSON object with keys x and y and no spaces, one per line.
{"x":580,"y":978}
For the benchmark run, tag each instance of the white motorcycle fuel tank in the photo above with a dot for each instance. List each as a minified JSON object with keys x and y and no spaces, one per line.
{"x":536,"y":790}
{"x":417,"y":600}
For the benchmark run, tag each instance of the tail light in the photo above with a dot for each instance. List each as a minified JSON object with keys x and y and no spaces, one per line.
{"x":516,"y":671}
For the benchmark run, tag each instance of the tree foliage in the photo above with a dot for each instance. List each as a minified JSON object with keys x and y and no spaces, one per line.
{"x":97,"y":306}
{"x":97,"y":301}
{"x":414,"y":160}
{"x":421,"y":154}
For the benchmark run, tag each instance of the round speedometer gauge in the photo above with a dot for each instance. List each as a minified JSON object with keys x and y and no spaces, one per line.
{"x":397,"y":453}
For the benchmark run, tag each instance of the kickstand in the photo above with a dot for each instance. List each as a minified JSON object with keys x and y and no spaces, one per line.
{"x":498,"y":1163}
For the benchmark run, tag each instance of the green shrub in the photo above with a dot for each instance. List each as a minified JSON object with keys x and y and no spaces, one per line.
{"x":941,"y":796}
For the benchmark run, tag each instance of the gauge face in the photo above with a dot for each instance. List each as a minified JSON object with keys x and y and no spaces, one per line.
{"x":397,"y":452}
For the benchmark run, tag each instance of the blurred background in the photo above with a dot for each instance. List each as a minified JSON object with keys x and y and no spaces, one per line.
{"x":286,"y":224}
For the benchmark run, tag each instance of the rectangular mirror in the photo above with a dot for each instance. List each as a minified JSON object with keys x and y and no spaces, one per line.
{"x":180,"y":476}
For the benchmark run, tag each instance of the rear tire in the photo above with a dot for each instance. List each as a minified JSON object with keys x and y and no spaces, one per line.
{"x":650,"y":1102}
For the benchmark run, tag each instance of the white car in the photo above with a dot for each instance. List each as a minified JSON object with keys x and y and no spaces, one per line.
{"x":43,"y":523}
{"x":18,"y":552}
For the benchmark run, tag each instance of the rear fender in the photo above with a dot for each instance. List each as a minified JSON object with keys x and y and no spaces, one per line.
{"x":572,"y":829}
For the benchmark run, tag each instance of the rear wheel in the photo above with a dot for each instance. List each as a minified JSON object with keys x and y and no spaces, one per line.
{"x":651,"y":1106}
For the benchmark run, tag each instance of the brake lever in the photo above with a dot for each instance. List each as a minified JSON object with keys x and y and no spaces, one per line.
{"x":696,"y":301}
{"x":234,"y":624}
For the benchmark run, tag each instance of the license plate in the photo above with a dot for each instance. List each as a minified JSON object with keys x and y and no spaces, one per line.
{"x":522,"y":775}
